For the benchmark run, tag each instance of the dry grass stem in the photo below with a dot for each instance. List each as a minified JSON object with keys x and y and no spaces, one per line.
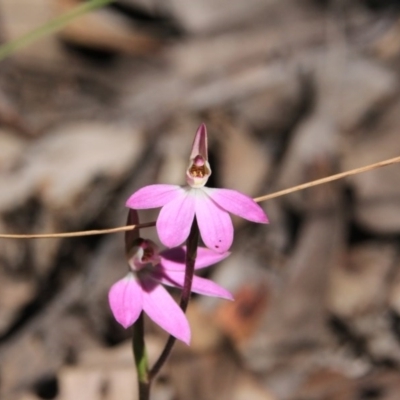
{"x":284,"y":192}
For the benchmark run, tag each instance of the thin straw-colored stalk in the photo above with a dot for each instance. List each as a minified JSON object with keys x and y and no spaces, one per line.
{"x":77,"y":233}
{"x":293,"y":189}
{"x":50,"y":27}
{"x":330,"y":178}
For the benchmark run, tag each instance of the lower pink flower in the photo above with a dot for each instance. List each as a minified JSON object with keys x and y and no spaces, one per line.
{"x":142,"y":290}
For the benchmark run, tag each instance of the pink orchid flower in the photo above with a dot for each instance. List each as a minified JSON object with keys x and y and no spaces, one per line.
{"x":141,"y":289}
{"x":211,"y":207}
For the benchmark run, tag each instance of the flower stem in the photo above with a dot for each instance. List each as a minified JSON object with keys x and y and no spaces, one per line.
{"x":139,"y":351}
{"x":132,"y":235}
{"x":191,"y":254}
{"x":50,"y":27}
{"x":138,"y":343}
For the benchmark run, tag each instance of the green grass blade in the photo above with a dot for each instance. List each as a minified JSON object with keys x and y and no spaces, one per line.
{"x":50,"y":27}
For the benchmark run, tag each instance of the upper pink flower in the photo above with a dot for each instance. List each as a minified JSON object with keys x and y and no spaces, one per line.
{"x":141,"y":289}
{"x":210,"y":206}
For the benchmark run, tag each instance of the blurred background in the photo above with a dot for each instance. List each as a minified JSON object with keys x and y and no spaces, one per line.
{"x":290,"y":90}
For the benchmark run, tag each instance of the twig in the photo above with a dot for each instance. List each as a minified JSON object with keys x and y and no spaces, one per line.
{"x":124,"y":228}
{"x":280,"y":193}
{"x":328,"y":179}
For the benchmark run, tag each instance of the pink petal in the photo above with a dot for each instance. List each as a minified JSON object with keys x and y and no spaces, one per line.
{"x":174,"y":259}
{"x":206,"y":257}
{"x":153,"y":196}
{"x":209,"y":288}
{"x":199,"y":146}
{"x":125,"y":298}
{"x":215,"y":224}
{"x":200,"y":285}
{"x":175,"y":219}
{"x":238,"y":204}
{"x":162,"y":309}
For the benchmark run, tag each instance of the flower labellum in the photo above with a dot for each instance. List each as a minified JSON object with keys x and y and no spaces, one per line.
{"x":142,"y":290}
{"x":210,"y":206}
